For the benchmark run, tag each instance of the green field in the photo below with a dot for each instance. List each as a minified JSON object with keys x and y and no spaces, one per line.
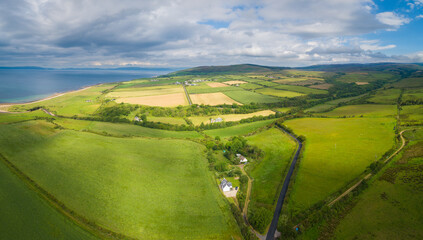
{"x":268,"y":173}
{"x":330,"y":104}
{"x":411,"y":115}
{"x":279,"y":93}
{"x":143,"y":188}
{"x":250,"y":86}
{"x":409,"y":83}
{"x":387,"y":96}
{"x":19,"y":117}
{"x":335,"y":152}
{"x":413,"y":95}
{"x":246,"y":97}
{"x":365,"y":77}
{"x":229,"y":117}
{"x":364,"y":110}
{"x":236,"y":130}
{"x":301,"y":89}
{"x":123,"y":129}
{"x":25,"y":215}
{"x":391,"y":207}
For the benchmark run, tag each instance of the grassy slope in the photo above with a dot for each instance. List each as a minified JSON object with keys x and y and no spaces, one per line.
{"x":139,"y":187}
{"x":120,"y":130}
{"x":268,"y":173}
{"x":279,"y":93}
{"x":389,"y":209}
{"x":327,"y":105}
{"x":336,"y":151}
{"x":301,"y":89}
{"x":366,"y":110}
{"x":19,"y":117}
{"x":387,"y":96}
{"x":24,"y":215}
{"x":240,"y":129}
{"x":247,"y":97}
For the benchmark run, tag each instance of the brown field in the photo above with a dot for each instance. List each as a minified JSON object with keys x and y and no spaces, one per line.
{"x":323,"y":86}
{"x":145,"y":91}
{"x":167,"y":100}
{"x":216,"y":84}
{"x":234,"y":82}
{"x":361,"y":83}
{"x":212,"y":99}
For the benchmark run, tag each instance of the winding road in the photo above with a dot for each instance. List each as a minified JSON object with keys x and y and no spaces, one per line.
{"x":272,"y":229}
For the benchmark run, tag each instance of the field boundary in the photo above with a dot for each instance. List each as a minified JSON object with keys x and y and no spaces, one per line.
{"x":79,"y":220}
{"x":187,"y":94}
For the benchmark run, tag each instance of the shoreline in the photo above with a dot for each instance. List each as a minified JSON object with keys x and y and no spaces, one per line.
{"x":4,"y":106}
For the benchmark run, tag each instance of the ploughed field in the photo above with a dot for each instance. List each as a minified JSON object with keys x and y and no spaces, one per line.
{"x":139,"y":187}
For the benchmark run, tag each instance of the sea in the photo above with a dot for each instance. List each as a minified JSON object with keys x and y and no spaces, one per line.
{"x":25,"y":85}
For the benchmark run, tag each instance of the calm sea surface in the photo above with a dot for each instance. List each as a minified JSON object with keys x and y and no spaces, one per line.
{"x":22,"y":85}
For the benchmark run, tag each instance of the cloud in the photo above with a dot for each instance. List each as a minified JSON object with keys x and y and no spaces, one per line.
{"x":190,"y":32}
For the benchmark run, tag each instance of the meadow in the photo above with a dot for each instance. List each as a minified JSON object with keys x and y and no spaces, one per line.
{"x":411,"y":115}
{"x":409,"y":83}
{"x":247,"y":97}
{"x":166,"y":100}
{"x":364,"y":110}
{"x":413,"y":95}
{"x":238,"y":130}
{"x":331,"y":104}
{"x":336,"y":151}
{"x":301,"y":89}
{"x":279,"y":93}
{"x":387,"y":96}
{"x":19,"y":117}
{"x":137,"y":187}
{"x":365,"y":77}
{"x":391,"y":207}
{"x":211,"y":99}
{"x":229,"y":117}
{"x":22,"y":208}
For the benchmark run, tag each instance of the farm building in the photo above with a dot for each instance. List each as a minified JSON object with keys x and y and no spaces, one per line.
{"x":225,"y":185}
{"x":216,"y":120}
{"x":241,"y":158}
{"x":136,"y":118}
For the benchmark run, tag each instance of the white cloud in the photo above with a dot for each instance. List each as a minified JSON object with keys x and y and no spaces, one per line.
{"x":392,"y":19}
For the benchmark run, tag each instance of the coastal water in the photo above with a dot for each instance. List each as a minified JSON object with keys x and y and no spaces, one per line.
{"x":23,"y":85}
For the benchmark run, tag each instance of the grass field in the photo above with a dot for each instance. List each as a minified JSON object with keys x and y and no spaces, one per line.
{"x":241,"y":129}
{"x":216,"y":84}
{"x":391,"y":207}
{"x":123,"y":130}
{"x":170,"y":120}
{"x":25,"y":215}
{"x":411,"y":115}
{"x":19,"y":117}
{"x":336,"y":151}
{"x":413,"y":95}
{"x":247,"y":97}
{"x":301,"y":89}
{"x":365,"y":110}
{"x":137,"y":187}
{"x":387,"y":96}
{"x":323,"y":86}
{"x":279,"y":93}
{"x":230,"y":117}
{"x":167,"y":100}
{"x":268,"y":174}
{"x":80,"y":103}
{"x":145,"y":91}
{"x":330,"y":104}
{"x":234,"y":82}
{"x":250,"y":86}
{"x":211,"y":99}
{"x":365,"y":77}
{"x":409,"y":83}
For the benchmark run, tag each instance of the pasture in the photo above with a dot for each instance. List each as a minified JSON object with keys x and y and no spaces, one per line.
{"x":166,"y":100}
{"x":268,"y":174}
{"x":238,"y":130}
{"x":364,"y":110}
{"x":230,"y":117}
{"x":413,"y":95}
{"x":279,"y":93}
{"x":216,"y":84}
{"x":322,"y":86}
{"x":234,"y":82}
{"x":212,"y":99}
{"x":391,"y":207}
{"x":330,"y":104}
{"x":123,"y":129}
{"x":386,"y":96}
{"x":134,"y":186}
{"x":335,"y":152}
{"x":145,"y":91}
{"x":411,"y":115}
{"x":19,"y":117}
{"x":409,"y":83}
{"x":301,"y":89}
{"x":353,"y":77}
{"x":246,"y":97}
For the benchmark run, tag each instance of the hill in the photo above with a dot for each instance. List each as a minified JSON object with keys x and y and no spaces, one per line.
{"x":231,"y":69}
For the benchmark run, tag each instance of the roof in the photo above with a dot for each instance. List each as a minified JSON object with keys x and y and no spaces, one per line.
{"x":225,"y":183}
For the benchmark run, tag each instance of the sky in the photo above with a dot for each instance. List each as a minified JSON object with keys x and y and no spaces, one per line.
{"x":169,"y":33}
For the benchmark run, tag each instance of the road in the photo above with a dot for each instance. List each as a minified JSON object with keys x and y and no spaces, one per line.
{"x":272,"y":229}
{"x":186,"y":93}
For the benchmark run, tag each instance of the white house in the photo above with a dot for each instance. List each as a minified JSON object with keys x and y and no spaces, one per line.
{"x":241,"y":158}
{"x":137,"y":119}
{"x":216,"y":120}
{"x":225,"y":185}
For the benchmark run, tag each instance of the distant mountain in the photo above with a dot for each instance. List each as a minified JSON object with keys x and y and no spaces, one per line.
{"x":362,"y":67}
{"x":231,"y":69}
{"x":119,"y":68}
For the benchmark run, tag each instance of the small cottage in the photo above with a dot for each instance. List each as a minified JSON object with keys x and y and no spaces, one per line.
{"x":241,"y":158}
{"x":225,"y":185}
{"x":137,"y":119}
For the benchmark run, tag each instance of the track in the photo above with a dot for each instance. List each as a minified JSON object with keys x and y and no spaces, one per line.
{"x":272,"y":229}
{"x":186,"y":93}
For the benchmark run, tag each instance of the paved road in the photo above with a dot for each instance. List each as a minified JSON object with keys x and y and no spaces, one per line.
{"x":186,"y":93}
{"x":272,"y":229}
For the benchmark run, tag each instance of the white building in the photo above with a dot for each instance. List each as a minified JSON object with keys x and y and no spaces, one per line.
{"x":225,"y":185}
{"x":241,"y":158}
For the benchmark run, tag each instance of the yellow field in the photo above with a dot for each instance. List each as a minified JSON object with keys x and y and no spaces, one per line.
{"x":146,"y":91}
{"x":361,"y":83}
{"x":212,"y":99}
{"x":166,"y":100}
{"x":230,"y":117}
{"x":324,"y":86}
{"x":216,"y":84}
{"x":234,"y":82}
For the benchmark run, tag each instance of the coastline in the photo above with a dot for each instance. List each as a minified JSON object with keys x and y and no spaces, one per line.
{"x":4,"y":106}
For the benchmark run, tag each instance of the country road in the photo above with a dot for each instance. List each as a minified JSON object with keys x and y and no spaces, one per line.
{"x":186,"y":93}
{"x":272,"y":229}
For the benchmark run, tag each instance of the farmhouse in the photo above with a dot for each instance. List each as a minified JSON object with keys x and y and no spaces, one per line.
{"x":241,"y":158}
{"x":225,"y":185}
{"x":137,"y":119}
{"x":216,"y":120}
